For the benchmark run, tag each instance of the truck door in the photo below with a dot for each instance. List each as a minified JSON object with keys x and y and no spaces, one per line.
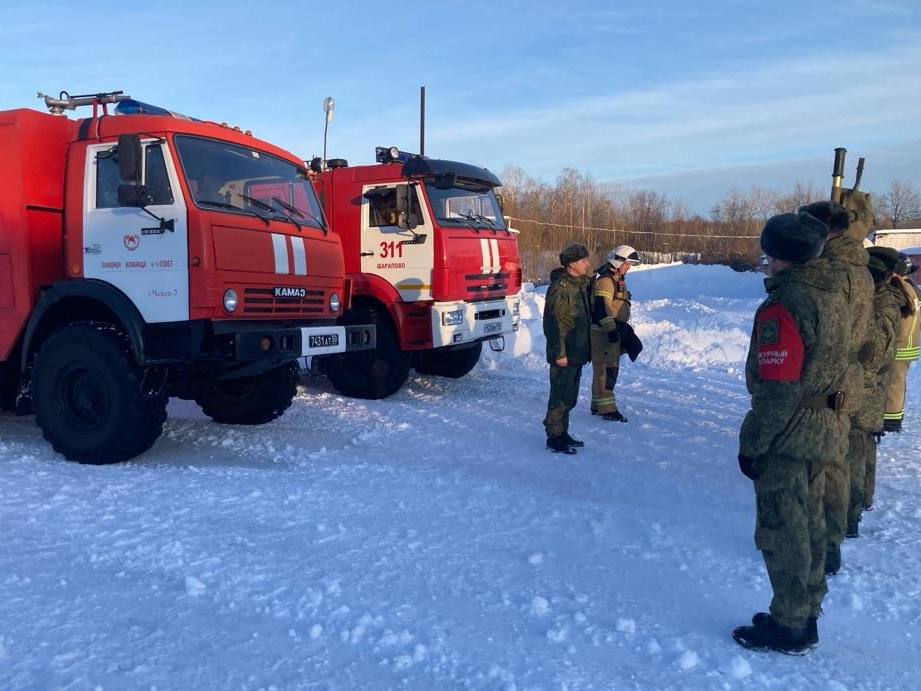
{"x":403,"y":257}
{"x":129,"y":248}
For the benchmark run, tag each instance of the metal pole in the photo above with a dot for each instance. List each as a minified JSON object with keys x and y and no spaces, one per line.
{"x":422,"y":122}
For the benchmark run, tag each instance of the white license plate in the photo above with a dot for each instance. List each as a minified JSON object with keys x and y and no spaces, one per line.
{"x":323,"y":340}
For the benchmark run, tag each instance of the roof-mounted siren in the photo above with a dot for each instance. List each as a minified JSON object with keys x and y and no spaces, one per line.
{"x":64,"y":101}
{"x":391,"y":154}
{"x":131,"y":107}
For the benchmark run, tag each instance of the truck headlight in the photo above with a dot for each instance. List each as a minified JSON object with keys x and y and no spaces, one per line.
{"x":230,"y":299}
{"x":334,"y":302}
{"x":455,"y":318}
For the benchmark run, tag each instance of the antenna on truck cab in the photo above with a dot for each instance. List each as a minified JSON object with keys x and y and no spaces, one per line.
{"x":422,"y":122}
{"x":329,"y":105}
{"x":64,"y":101}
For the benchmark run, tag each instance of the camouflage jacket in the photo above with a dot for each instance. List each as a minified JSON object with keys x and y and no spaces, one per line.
{"x":610,"y":301}
{"x":849,"y":258}
{"x":795,"y":354}
{"x":879,"y":355}
{"x":566,"y":318}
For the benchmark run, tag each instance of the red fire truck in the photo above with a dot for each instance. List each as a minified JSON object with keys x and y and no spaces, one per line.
{"x":432,"y":262}
{"x":144,"y":255}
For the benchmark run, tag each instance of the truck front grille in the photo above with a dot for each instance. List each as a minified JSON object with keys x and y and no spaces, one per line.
{"x":262,"y":302}
{"x":487,"y":284}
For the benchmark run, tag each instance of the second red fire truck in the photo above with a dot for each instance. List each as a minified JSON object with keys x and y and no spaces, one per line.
{"x":432,"y":264}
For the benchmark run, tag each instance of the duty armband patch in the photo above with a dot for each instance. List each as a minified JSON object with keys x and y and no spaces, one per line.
{"x":780,"y":347}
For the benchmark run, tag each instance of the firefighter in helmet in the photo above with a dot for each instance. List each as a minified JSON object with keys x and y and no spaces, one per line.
{"x":610,"y":317}
{"x":907,"y":348}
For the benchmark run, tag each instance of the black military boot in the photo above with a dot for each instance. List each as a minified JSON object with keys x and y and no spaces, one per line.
{"x":762,"y":619}
{"x":570,"y":441}
{"x":852,"y":530}
{"x":832,"y":560}
{"x":770,"y":635}
{"x":558,"y":445}
{"x":616,"y":416}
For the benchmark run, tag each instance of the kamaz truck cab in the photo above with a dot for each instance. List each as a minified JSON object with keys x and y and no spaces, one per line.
{"x":144,"y":254}
{"x":432,"y":264}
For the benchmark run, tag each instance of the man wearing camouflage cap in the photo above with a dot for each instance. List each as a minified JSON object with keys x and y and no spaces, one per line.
{"x":566,"y":324}
{"x":795,"y":426}
{"x":845,"y":252}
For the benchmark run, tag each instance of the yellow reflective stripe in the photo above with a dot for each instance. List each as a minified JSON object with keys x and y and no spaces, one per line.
{"x":605,"y":399}
{"x":603,"y":294}
{"x":894,"y":416}
{"x":908,"y":353}
{"x":607,"y":320}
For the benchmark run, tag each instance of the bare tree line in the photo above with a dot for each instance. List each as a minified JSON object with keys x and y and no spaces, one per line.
{"x":575,"y":208}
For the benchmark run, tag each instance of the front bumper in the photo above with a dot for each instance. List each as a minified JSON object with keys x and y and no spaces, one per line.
{"x":306,"y":341}
{"x":480,"y":321}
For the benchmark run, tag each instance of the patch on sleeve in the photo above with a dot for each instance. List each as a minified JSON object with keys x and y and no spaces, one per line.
{"x":780,"y":347}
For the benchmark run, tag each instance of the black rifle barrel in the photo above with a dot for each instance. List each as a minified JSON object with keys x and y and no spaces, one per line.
{"x":837,"y":174}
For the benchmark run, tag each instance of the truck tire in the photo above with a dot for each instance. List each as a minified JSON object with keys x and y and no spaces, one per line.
{"x":371,"y":374}
{"x":449,"y":363}
{"x":88,"y":399}
{"x":251,"y":400}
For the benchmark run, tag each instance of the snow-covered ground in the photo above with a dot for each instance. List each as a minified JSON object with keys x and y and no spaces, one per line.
{"x":429,"y":541}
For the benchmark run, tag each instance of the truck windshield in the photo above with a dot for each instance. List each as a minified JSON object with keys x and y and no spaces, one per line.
{"x":465,"y":204}
{"x":230,"y":177}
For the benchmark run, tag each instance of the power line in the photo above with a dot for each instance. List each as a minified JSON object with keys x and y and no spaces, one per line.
{"x":635,"y":232}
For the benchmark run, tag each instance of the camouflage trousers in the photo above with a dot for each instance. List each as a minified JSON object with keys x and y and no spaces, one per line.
{"x":790,"y":532}
{"x":837,"y":498}
{"x":564,"y":392}
{"x":862,"y":458}
{"x":605,"y":366}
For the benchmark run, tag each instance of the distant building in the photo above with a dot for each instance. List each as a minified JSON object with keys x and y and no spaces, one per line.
{"x":907,"y":240}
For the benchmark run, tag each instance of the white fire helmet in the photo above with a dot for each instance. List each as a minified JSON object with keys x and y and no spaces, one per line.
{"x":621,"y":254}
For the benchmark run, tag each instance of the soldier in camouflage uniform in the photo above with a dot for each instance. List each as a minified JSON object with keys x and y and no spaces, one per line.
{"x":846,"y":253}
{"x":566,"y":320}
{"x":795,"y":426}
{"x":880,"y":356}
{"x":610,"y":310}
{"x":907,"y":348}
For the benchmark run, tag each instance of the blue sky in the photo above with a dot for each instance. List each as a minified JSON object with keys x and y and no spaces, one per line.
{"x":690,"y":99}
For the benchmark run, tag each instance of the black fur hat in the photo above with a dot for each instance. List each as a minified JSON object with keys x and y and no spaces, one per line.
{"x":795,"y":237}
{"x":573,"y":252}
{"x":878,"y":269}
{"x":887,"y":256}
{"x":831,"y":214}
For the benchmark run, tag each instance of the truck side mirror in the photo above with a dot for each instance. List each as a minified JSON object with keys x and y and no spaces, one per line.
{"x":501,"y":202}
{"x":129,"y":157}
{"x":405,"y":218}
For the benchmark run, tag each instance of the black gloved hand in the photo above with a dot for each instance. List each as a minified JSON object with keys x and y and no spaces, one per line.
{"x":614,"y":336}
{"x":747,"y":466}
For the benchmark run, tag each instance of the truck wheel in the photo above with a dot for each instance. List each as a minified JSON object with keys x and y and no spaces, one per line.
{"x":371,"y":374}
{"x":251,"y":400}
{"x":449,"y":363}
{"x":87,"y":396}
